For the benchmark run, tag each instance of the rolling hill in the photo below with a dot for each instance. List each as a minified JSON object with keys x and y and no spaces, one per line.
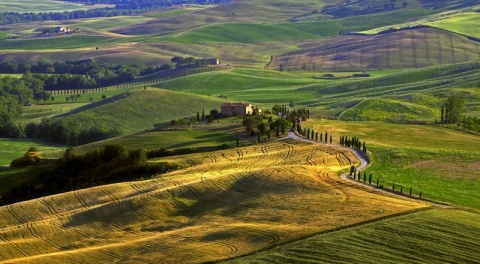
{"x":139,"y":110}
{"x":223,"y":204}
{"x":415,"y":47}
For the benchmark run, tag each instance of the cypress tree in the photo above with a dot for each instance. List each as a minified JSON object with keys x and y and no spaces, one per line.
{"x":364,"y":177}
{"x":203,"y":115}
{"x":278,"y":132}
{"x":377,"y":182}
{"x":370,"y":179}
{"x":330,"y":139}
{"x":321,"y":137}
{"x":198,"y":116}
{"x":410,"y":191}
{"x":326,"y":137}
{"x":316,"y":136}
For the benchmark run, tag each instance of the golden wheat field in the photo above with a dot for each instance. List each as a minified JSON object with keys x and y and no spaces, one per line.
{"x":221,"y":205}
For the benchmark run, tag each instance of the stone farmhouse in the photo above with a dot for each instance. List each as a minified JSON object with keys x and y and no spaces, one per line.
{"x":239,"y":109}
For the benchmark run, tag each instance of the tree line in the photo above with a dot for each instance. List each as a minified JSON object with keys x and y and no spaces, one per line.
{"x":85,"y":74}
{"x":112,"y":164}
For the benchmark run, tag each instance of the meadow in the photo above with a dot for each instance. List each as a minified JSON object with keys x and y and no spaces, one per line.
{"x":26,"y":6}
{"x":141,"y":109}
{"x":446,"y":236}
{"x":15,"y":148}
{"x":281,"y":201}
{"x":222,"y":204}
{"x":459,"y":21}
{"x":440,"y":162}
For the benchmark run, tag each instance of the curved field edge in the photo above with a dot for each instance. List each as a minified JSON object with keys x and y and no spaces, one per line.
{"x":439,"y":235}
{"x":440,"y":162}
{"x":223,"y":204}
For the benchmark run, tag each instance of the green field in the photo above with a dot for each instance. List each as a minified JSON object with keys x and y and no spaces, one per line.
{"x":140,"y":110}
{"x":11,"y":149}
{"x":174,"y":139}
{"x":26,"y":6}
{"x":278,"y":201}
{"x":440,"y":162}
{"x":439,"y":235}
{"x":462,"y":21}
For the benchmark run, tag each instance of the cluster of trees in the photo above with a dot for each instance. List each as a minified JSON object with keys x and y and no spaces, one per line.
{"x":68,"y":131}
{"x":31,"y":158}
{"x":451,"y":109}
{"x":315,"y":136}
{"x":353,"y":142}
{"x":14,"y":93}
{"x":112,"y":164}
{"x":83,"y":74}
{"x":252,"y":122}
{"x":179,"y":61}
{"x":471,"y":123}
{"x":122,"y":8}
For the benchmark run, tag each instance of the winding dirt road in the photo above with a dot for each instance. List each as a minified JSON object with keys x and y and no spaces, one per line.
{"x":364,"y":163}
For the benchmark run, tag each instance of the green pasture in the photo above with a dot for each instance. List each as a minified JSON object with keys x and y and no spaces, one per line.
{"x":27,"y":6}
{"x":382,"y":109}
{"x":140,"y":110}
{"x":171,"y":139}
{"x":440,"y":162}
{"x":106,"y":23}
{"x":461,"y":21}
{"x":174,"y":12}
{"x":35,"y":113}
{"x":434,"y":236}
{"x":63,"y":42}
{"x":11,"y":149}
{"x":246,"y":33}
{"x":243,"y":84}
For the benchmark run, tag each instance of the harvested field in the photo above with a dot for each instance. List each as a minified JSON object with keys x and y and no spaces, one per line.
{"x":222,"y":204}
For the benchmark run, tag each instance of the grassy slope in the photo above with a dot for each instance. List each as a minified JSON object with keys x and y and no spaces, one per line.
{"x":446,"y":236}
{"x":38,"y":6}
{"x":440,"y":162}
{"x":400,"y":94}
{"x":461,"y":21}
{"x":140,"y":110}
{"x":223,"y":204}
{"x":15,"y":148}
{"x":165,"y":139}
{"x":413,"y":48}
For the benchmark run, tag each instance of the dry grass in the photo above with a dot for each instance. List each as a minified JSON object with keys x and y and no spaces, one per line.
{"x":222,"y":204}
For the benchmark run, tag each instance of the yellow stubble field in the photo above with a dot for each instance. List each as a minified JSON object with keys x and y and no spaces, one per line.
{"x":221,"y":205}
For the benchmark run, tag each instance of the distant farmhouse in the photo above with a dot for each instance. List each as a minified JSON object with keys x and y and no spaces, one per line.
{"x":239,"y":109}
{"x":61,"y":30}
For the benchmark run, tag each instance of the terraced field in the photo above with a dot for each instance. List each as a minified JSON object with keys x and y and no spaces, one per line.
{"x":406,"y":48}
{"x":222,"y":204}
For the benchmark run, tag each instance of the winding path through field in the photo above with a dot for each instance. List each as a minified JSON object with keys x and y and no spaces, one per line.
{"x":364,"y":163}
